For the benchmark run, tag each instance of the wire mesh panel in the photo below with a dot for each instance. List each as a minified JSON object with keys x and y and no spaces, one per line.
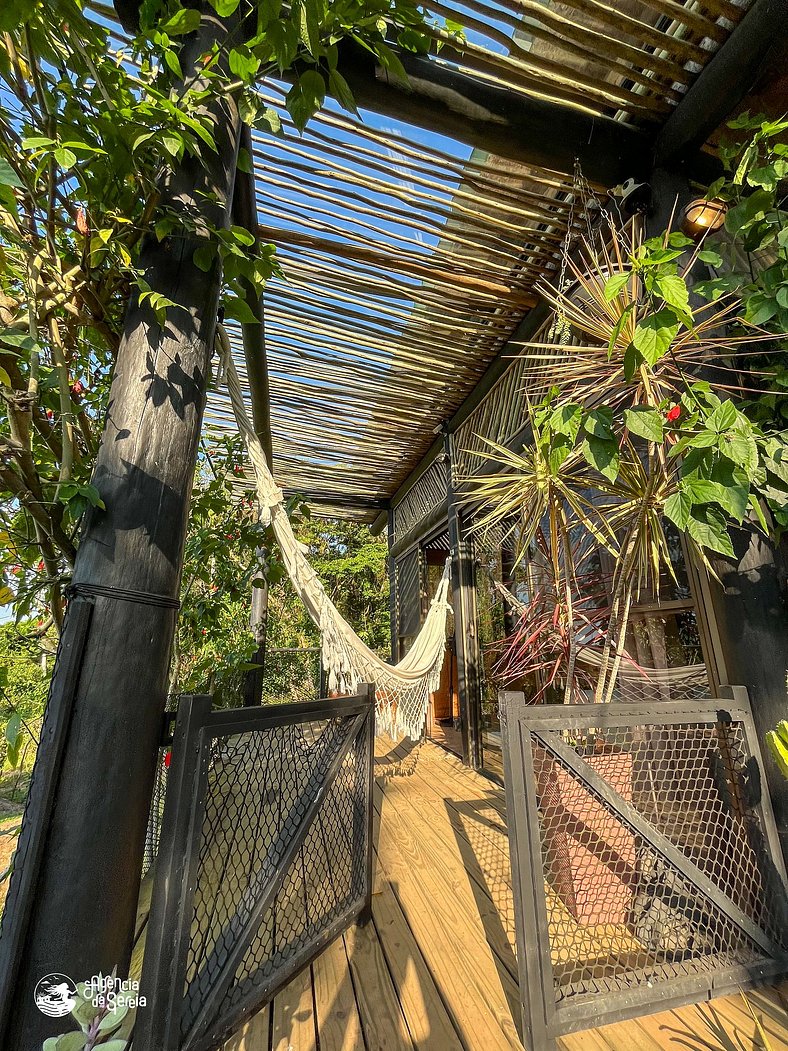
{"x":265,"y":856}
{"x":645,"y":860}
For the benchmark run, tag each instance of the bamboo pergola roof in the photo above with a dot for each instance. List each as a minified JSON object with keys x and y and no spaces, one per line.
{"x":410,"y":257}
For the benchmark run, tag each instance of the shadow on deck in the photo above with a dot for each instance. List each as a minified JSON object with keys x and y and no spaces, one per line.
{"x":436,"y":970}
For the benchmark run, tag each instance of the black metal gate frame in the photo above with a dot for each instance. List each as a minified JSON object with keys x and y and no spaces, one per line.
{"x":543,"y":1022}
{"x":164,"y":967}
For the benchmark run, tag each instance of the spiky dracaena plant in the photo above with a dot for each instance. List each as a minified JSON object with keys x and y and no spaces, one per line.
{"x":634,"y":424}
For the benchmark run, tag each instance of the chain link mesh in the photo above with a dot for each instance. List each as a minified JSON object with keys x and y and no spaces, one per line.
{"x":260,"y":786}
{"x":620,"y":914}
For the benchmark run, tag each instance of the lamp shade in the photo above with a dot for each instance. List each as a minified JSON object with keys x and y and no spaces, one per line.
{"x":701,"y":217}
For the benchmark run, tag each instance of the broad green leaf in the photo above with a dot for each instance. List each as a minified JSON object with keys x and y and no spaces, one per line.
{"x":13,"y":728}
{"x":6,"y":596}
{"x":599,"y":422}
{"x":740,"y":448}
{"x":603,"y":455}
{"x":710,"y":257}
{"x":243,"y":63}
{"x":723,"y":417}
{"x":654,"y":334}
{"x":566,"y":419}
{"x":224,"y":7}
{"x":184,"y":21}
{"x":615,"y":284}
{"x":73,"y":1041}
{"x":340,"y":89}
{"x":673,"y":290}
{"x":238,"y":310}
{"x":707,"y":527}
{"x":36,"y":142}
{"x":8,"y":176}
{"x":244,"y":163}
{"x":732,"y":499}
{"x":5,"y":379}
{"x":305,"y":97}
{"x":748,"y":211}
{"x":65,"y":158}
{"x":759,"y":309}
{"x":677,"y":508}
{"x":112,"y":1019}
{"x":391,"y":63}
{"x":645,"y":423}
{"x":306,"y":15}
{"x":173,"y":63}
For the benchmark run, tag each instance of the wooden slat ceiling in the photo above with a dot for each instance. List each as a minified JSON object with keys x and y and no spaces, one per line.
{"x":409,"y":259}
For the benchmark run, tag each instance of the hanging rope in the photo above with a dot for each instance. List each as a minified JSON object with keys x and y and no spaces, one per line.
{"x":403,"y":690}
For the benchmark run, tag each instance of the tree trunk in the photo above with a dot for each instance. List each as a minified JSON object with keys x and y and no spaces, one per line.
{"x":78,"y":918}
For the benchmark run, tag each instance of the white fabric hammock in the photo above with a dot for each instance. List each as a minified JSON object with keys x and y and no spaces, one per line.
{"x":402,"y":690}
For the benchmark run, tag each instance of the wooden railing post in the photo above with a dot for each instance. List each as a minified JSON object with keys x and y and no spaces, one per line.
{"x":465,"y":632}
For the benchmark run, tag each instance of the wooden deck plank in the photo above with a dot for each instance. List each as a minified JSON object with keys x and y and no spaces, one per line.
{"x":428,"y":1019}
{"x":338,"y":1021}
{"x":469,"y":882}
{"x":382,"y":1018}
{"x":294,"y":1016}
{"x":447,"y":925}
{"x":254,"y":1035}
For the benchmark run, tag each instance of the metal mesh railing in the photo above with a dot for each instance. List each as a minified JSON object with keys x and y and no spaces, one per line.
{"x":275,"y":826}
{"x":260,"y":787}
{"x":292,"y":674}
{"x":619,"y":914}
{"x":650,"y":840}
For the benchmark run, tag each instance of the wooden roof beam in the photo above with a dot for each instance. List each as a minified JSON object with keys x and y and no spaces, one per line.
{"x":530,"y":131}
{"x":759,"y":39}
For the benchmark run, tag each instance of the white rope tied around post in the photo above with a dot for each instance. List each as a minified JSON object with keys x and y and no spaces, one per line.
{"x":403,"y":690}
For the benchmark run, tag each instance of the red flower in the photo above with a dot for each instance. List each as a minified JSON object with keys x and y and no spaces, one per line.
{"x":168,"y":758}
{"x":673,"y":414}
{"x":40,"y":566}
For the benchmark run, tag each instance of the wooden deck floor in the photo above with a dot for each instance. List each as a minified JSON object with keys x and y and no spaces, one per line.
{"x":435,"y":970}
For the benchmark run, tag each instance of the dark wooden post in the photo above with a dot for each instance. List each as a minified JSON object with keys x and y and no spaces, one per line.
{"x":245,"y":212}
{"x":392,"y":568}
{"x":74,"y":911}
{"x":466,"y":638}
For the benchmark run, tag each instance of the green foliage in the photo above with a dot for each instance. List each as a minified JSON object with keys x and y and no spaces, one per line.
{"x":227,"y":551}
{"x":88,"y":133}
{"x":23,"y":691}
{"x":777,"y":740}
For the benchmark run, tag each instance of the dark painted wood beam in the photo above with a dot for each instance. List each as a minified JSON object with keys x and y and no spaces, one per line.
{"x":760,"y":37}
{"x":496,"y":119}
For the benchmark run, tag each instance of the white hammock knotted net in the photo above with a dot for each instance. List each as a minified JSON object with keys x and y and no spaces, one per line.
{"x":402,"y":690}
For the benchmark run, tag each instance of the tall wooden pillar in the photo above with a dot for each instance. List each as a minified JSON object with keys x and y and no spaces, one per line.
{"x":392,"y":569}
{"x":73,"y":894}
{"x":245,"y":213}
{"x":466,"y":638}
